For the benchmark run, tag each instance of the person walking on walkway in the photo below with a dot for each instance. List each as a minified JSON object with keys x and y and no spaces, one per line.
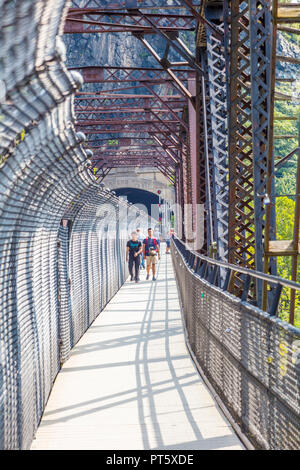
{"x":133,"y":250}
{"x":168,"y":241}
{"x":151,"y":253}
{"x":141,"y":239}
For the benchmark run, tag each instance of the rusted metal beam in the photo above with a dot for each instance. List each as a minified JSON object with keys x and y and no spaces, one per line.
{"x":107,"y":74}
{"x":241,"y":209}
{"x":88,"y":20}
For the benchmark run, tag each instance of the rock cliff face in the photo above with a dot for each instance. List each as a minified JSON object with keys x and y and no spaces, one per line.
{"x":106,"y":49}
{"x":286,"y":47}
{"x":126,"y":50}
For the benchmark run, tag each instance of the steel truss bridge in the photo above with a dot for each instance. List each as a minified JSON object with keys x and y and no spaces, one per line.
{"x":204,"y":115}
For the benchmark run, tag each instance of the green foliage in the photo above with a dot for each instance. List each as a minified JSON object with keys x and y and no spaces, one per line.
{"x":285,"y":208}
{"x":113,"y":142}
{"x":282,"y":147}
{"x":286,"y":184}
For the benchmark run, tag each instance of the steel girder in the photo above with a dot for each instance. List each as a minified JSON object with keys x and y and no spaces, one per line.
{"x":124,"y":4}
{"x":134,"y":141}
{"x":158,"y":114}
{"x":110,"y":74}
{"x":118,"y":99}
{"x":260,"y":50}
{"x":136,"y":155}
{"x":225,"y":165}
{"x":128,"y":117}
{"x":139,"y":77}
{"x":219,"y":147}
{"x":101,"y":20}
{"x":249,"y":38}
{"x":241,"y":208}
{"x":206,"y":161}
{"x":129,"y":160}
{"x":118,"y":148}
{"x":135,"y":104}
{"x":144,"y":19}
{"x":160,"y":117}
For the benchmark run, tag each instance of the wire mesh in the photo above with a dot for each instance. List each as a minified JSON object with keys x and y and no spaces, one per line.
{"x":251,"y":358}
{"x":55,"y":278}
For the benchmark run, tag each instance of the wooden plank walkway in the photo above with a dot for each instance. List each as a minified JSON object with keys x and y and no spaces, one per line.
{"x":130,"y":382}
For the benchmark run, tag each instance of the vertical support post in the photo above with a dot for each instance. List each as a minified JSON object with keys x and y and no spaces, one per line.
{"x":185,"y":191}
{"x":201,"y":125}
{"x":179,"y":205}
{"x":209,"y":224}
{"x":193,"y":144}
{"x":218,"y":110}
{"x":194,"y":152}
{"x":275,"y":300}
{"x":241,"y":226}
{"x":295,"y":239}
{"x":270,"y":141}
{"x":260,"y":52}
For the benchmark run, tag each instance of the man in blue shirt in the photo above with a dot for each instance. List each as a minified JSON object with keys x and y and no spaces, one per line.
{"x":141,"y":239}
{"x":151,"y":252}
{"x":133,"y":251}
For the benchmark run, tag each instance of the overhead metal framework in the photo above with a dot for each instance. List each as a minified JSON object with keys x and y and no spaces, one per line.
{"x":217,"y":115}
{"x":203,"y":115}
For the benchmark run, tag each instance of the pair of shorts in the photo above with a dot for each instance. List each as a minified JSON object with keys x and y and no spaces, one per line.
{"x":168,"y":243}
{"x":151,"y":260}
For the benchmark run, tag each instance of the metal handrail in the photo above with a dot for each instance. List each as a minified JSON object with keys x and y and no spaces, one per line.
{"x":255,"y":274}
{"x":212,"y":278}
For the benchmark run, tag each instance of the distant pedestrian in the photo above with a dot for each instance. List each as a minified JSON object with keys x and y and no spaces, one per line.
{"x":133,"y":250}
{"x":141,"y":239}
{"x":151,"y":252}
{"x":168,"y":241}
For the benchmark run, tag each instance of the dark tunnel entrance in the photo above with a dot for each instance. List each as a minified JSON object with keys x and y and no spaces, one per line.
{"x":140,"y":196}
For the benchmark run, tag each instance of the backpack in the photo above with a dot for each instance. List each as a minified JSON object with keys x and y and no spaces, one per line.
{"x":152,"y":252}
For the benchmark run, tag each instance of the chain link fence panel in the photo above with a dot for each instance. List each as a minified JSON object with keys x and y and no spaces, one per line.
{"x":58,"y":267}
{"x":250,"y":358}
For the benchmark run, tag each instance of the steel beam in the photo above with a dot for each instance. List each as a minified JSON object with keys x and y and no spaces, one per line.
{"x":260,"y":52}
{"x":241,"y":209}
{"x":218,"y":116}
{"x":101,"y":20}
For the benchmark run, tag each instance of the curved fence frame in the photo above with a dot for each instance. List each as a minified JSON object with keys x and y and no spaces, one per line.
{"x":58,"y":267}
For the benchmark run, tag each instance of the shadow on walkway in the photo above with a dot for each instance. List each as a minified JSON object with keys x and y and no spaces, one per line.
{"x":130,"y":382}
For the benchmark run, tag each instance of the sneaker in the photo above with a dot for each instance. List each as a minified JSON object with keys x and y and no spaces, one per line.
{"x":154,"y":278}
{"x":131,"y":278}
{"x":147,"y":277}
{"x":137,"y":280}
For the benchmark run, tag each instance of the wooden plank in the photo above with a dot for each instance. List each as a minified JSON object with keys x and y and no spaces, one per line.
{"x":288,"y":13}
{"x":281,"y":248}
